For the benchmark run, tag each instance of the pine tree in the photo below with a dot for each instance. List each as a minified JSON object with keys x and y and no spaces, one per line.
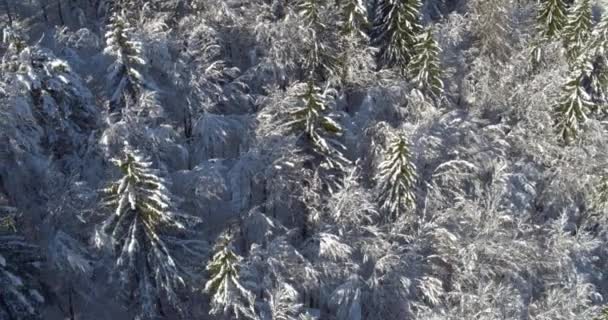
{"x":598,"y":79}
{"x":142,"y":209}
{"x":396,"y":179}
{"x":577,"y":29}
{"x":573,"y":105}
{"x":551,"y":17}
{"x":354,"y":18}
{"x":310,"y":116}
{"x":320,"y":57}
{"x":424,"y":67}
{"x":19,"y":264}
{"x":228,"y":295}
{"x":396,"y":27}
{"x":125,"y":75}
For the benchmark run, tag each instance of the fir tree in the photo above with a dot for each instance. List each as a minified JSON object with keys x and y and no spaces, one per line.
{"x":396,"y":27}
{"x":424,"y":67}
{"x":310,"y":117}
{"x":551,"y":17}
{"x":142,"y":209}
{"x":126,"y":80}
{"x":598,"y":79}
{"x":320,"y":57}
{"x":354,"y":18}
{"x":577,"y":29}
{"x":573,"y":105}
{"x":396,"y":179}
{"x":228,"y":296}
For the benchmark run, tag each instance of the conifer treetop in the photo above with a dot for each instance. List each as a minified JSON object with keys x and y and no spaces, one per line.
{"x":424,"y":69}
{"x":396,"y":178}
{"x":552,"y":17}
{"x":574,"y":103}
{"x":577,"y":28}
{"x":396,"y":28}
{"x":228,"y":295}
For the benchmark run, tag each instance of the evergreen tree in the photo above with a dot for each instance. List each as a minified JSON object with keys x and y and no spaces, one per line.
{"x":228,"y":295}
{"x":424,"y":67}
{"x":396,"y":179}
{"x":354,"y":17}
{"x":310,"y":117}
{"x":320,"y":57}
{"x":598,"y":79}
{"x":396,"y":27}
{"x":142,"y":209}
{"x":573,"y":105}
{"x":551,"y":17}
{"x":19,"y":264}
{"x":125,"y":77}
{"x":577,"y":29}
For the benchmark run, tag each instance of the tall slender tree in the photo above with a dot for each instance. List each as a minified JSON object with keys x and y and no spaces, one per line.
{"x":598,"y":48}
{"x":228,"y":295}
{"x":396,"y":26}
{"x":396,"y":179}
{"x":142,"y":211}
{"x":424,"y":68}
{"x":574,"y":103}
{"x":577,"y":29}
{"x":310,"y":118}
{"x":551,"y":17}
{"x":125,"y":77}
{"x":320,"y":58}
{"x":354,"y":17}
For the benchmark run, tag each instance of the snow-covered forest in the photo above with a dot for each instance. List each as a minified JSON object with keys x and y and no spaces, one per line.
{"x":304,"y":159}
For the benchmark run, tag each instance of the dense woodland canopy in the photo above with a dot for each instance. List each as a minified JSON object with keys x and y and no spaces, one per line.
{"x":304,"y":159}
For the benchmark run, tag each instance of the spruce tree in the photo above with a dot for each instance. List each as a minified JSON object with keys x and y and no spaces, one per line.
{"x":320,"y":62}
{"x":396,"y":26}
{"x":141,"y":205}
{"x":354,"y":18}
{"x":424,"y":69}
{"x":228,"y":296}
{"x":574,"y":103}
{"x":310,"y":118}
{"x":577,"y":29}
{"x":551,"y":17}
{"x":396,"y":179}
{"x":125,"y":77}
{"x":598,"y":48}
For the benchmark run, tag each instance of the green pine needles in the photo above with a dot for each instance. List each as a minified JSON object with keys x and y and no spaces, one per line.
{"x":139,"y":192}
{"x":354,"y":18}
{"x":574,"y":103}
{"x":311,"y":117}
{"x":396,"y":179}
{"x":552,"y":17}
{"x":396,"y":27}
{"x":424,"y":69}
{"x":228,"y":296}
{"x":124,"y":73}
{"x":577,"y":30}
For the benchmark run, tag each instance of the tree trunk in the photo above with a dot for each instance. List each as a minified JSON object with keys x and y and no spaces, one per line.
{"x":43,"y":9}
{"x":60,"y":12}
{"x":8,"y":13}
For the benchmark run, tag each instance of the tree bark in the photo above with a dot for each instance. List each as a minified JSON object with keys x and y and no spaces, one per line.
{"x":43,"y":9}
{"x":60,"y":12}
{"x":8,"y":13}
